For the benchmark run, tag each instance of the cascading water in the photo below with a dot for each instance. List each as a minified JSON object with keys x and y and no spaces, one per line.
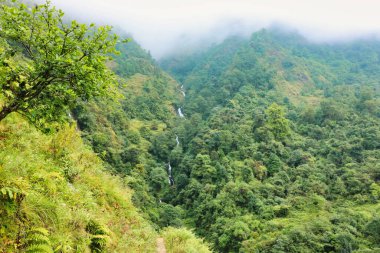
{"x":180,"y":113}
{"x":171,"y":180}
{"x":182,"y":91}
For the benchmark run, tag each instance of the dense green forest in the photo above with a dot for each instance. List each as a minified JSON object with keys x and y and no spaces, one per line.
{"x":278,"y":150}
{"x":56,"y":194}
{"x":263,"y":144}
{"x":284,"y":150}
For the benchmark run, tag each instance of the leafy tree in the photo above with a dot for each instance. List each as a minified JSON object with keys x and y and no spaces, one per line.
{"x":232,"y":232}
{"x":277,"y":122}
{"x":169,"y":216}
{"x":203,"y":170}
{"x":47,"y":65}
{"x":373,"y":229}
{"x":158,"y":179}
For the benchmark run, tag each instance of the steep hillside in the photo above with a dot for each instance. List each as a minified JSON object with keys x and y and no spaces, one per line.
{"x":280,"y":152}
{"x":57,"y":196}
{"x":147,"y":104}
{"x":277,"y":150}
{"x":262,"y":144}
{"x":56,"y":193}
{"x":124,"y":132}
{"x":300,"y":69}
{"x":56,"y":184}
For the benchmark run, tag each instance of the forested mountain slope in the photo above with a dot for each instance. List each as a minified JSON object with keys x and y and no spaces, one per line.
{"x":262,"y":144}
{"x":56,"y":194}
{"x":288,"y":61}
{"x":280,"y":151}
{"x":124,"y":132}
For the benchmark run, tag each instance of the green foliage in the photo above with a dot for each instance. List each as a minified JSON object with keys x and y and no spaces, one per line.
{"x":125,"y":133}
{"x":373,"y":229}
{"x":37,"y":241}
{"x":279,"y":151}
{"x":182,"y":241}
{"x":47,"y":65}
{"x":57,"y":183}
{"x":99,"y":237}
{"x":11,"y":194}
{"x":170,"y":216}
{"x":276,"y":122}
{"x":256,"y":179}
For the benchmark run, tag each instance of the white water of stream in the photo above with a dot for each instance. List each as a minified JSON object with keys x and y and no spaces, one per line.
{"x":171,"y":180}
{"x":180,"y":113}
{"x":182,"y":91}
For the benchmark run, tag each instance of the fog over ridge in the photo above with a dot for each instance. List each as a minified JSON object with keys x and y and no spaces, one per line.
{"x":164,"y":26}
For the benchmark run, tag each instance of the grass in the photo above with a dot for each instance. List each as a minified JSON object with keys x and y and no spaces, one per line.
{"x":180,"y":240}
{"x":65,"y":186}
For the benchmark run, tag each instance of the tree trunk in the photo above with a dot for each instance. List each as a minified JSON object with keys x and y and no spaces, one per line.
{"x":8,"y":109}
{"x":4,"y":112}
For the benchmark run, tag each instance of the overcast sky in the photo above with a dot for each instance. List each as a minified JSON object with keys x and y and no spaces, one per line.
{"x":160,"y":25}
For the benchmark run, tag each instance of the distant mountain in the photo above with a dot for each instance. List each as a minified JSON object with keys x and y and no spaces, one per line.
{"x":275,"y":59}
{"x":283,"y":150}
{"x":262,"y":144}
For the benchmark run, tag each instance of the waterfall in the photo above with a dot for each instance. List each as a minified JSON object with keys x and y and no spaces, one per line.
{"x":182,"y":91}
{"x":180,"y":113}
{"x":180,"y":109}
{"x":171,"y":180}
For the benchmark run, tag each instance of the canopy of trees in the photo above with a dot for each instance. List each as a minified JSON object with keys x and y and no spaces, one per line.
{"x":47,"y":65}
{"x":279,"y":150}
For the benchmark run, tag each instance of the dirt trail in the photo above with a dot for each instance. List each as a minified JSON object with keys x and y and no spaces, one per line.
{"x":161,"y":245}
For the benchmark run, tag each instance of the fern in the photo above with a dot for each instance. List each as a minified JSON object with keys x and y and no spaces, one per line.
{"x":37,"y":241}
{"x":11,"y":194}
{"x":99,"y":238}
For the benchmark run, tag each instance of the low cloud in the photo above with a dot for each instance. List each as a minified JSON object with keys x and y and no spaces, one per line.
{"x":163,"y":26}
